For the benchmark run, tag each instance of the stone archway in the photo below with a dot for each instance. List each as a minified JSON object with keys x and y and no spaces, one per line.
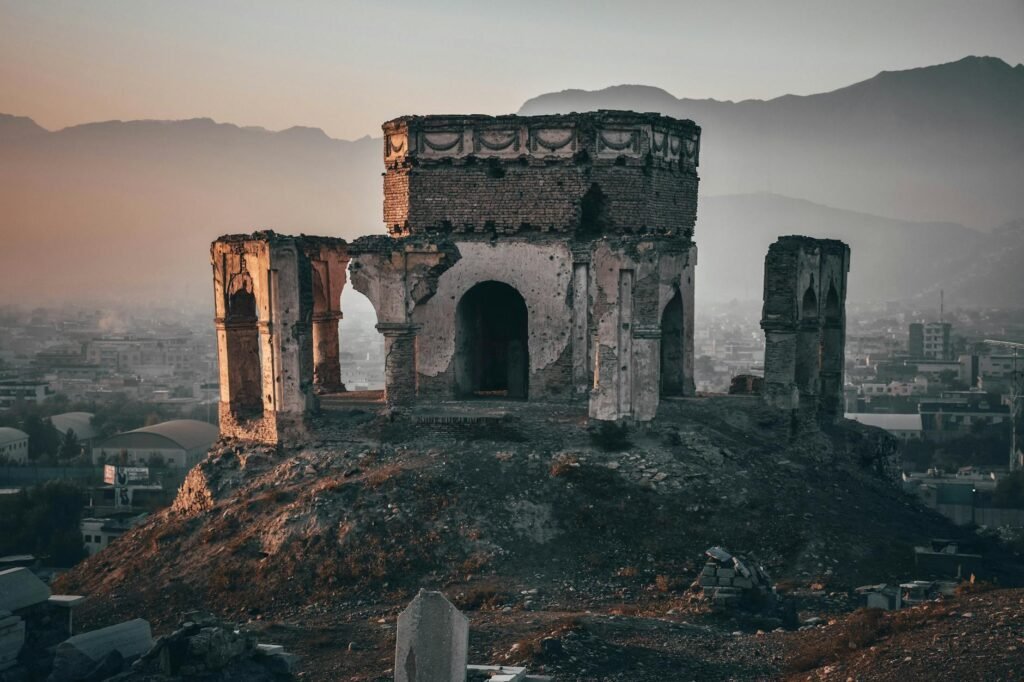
{"x":492,"y":354}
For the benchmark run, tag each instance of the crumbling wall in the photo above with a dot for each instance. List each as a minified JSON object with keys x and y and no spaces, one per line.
{"x":804,"y":322}
{"x":273,"y":295}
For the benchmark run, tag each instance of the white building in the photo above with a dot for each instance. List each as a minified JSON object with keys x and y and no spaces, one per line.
{"x":177,"y":443}
{"x":902,"y":426}
{"x":13,"y":445}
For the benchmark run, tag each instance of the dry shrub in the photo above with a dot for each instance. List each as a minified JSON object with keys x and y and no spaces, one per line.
{"x":381,"y":475}
{"x":974,"y":587}
{"x":562,"y":465}
{"x":481,"y":598}
{"x":475,"y":562}
{"x":860,"y":629}
{"x":627,"y":572}
{"x":664,"y":583}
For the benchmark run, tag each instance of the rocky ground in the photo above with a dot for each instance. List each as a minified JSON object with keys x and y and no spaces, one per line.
{"x":571,"y":551}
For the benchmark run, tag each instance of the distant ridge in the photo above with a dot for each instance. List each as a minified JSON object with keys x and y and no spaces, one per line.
{"x":942,"y":142}
{"x":127,"y":208}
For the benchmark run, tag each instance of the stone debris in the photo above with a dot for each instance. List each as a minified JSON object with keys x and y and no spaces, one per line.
{"x":728,"y":580}
{"x":432,"y":641}
{"x":204,"y":647}
{"x":20,"y":588}
{"x":12,"y":638}
{"x":100,"y":653}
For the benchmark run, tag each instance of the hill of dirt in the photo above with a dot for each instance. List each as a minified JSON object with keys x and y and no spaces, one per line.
{"x":571,"y":550}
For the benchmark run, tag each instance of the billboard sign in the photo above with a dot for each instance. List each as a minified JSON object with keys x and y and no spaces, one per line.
{"x":115,"y":475}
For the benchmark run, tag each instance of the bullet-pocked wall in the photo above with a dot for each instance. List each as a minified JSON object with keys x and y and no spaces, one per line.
{"x":545,"y":258}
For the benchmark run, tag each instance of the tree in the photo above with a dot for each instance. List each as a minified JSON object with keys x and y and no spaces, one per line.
{"x":44,"y":520}
{"x":69,"y":446}
{"x":1010,"y":491}
{"x":43,"y":438}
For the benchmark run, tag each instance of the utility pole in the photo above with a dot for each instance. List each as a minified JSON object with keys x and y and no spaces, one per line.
{"x":1016,"y":390}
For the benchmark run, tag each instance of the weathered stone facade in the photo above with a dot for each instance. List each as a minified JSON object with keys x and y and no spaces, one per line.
{"x":804,"y":323}
{"x":277,"y":302}
{"x":543,"y":258}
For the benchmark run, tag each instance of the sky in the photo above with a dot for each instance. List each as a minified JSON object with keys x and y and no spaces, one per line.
{"x":346,"y":66}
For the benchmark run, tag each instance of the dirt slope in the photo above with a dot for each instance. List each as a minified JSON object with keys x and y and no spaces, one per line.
{"x":527,"y":523}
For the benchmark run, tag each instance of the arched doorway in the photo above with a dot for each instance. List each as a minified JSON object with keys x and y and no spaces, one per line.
{"x":245,"y":381}
{"x":673,"y":371}
{"x":808,"y":347}
{"x":492,"y":354}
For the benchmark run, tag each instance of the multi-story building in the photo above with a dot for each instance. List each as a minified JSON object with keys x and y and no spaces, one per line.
{"x":15,"y":390}
{"x":931,"y":340}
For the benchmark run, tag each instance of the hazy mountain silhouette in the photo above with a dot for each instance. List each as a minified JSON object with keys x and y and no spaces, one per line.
{"x":942,"y":142}
{"x":891,"y":260}
{"x":127,"y":209}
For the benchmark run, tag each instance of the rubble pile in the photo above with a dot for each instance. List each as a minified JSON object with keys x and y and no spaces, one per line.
{"x":206,"y":648}
{"x":728,"y":581}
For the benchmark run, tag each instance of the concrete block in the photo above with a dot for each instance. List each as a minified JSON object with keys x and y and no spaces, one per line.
{"x":724,"y":581}
{"x":743,"y":583}
{"x":131,"y":638}
{"x":12,"y":638}
{"x":726,"y":573}
{"x":708,"y":569}
{"x":20,"y":588}
{"x":708,"y":581}
{"x":432,"y":641}
{"x":269,"y":649}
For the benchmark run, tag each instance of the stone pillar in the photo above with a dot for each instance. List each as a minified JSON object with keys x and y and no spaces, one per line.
{"x":646,"y":371}
{"x":399,"y":362}
{"x":780,"y":369}
{"x":326,"y":349}
{"x":624,"y":355}
{"x":431,"y":641}
{"x":833,"y":353}
{"x":581,"y":378}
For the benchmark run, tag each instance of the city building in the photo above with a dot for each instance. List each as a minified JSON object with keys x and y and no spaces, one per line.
{"x":98,"y":533}
{"x":176,"y":443}
{"x":13,"y":445}
{"x":902,"y":426}
{"x":15,"y":390}
{"x":931,"y":340}
{"x":79,"y":422}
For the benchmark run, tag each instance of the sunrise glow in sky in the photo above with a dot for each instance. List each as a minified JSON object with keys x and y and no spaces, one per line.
{"x":347,"y":66}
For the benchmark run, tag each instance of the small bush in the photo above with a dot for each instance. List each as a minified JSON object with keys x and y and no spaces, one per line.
{"x":611,"y":437}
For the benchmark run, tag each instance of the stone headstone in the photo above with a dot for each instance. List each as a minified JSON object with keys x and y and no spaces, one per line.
{"x":20,"y":588}
{"x":432,"y":641}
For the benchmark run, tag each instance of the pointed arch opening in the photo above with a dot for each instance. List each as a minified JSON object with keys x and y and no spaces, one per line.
{"x":241,"y":326}
{"x":673,"y":347}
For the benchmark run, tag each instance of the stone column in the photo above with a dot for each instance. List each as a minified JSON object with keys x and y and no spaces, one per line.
{"x":624,"y":369}
{"x":832,"y":361}
{"x":779,"y":369}
{"x":326,"y":348}
{"x":399,"y":362}
{"x":646,"y":371}
{"x":581,"y":378}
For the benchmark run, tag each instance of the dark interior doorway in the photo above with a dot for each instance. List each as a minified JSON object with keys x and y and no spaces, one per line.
{"x":492,"y":355}
{"x":673,"y":371}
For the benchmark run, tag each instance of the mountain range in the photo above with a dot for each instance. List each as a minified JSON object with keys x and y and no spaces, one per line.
{"x":126,"y":210}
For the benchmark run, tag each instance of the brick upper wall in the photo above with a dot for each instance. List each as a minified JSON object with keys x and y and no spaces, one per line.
{"x":593,"y":173}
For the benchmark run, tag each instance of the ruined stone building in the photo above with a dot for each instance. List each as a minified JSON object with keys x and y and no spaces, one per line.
{"x":804,"y":323}
{"x":543,"y":258}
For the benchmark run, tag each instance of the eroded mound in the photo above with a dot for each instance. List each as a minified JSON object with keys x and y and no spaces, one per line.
{"x":552,"y":518}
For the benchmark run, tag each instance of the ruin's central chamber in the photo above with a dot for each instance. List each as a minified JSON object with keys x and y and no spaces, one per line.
{"x":545,"y":258}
